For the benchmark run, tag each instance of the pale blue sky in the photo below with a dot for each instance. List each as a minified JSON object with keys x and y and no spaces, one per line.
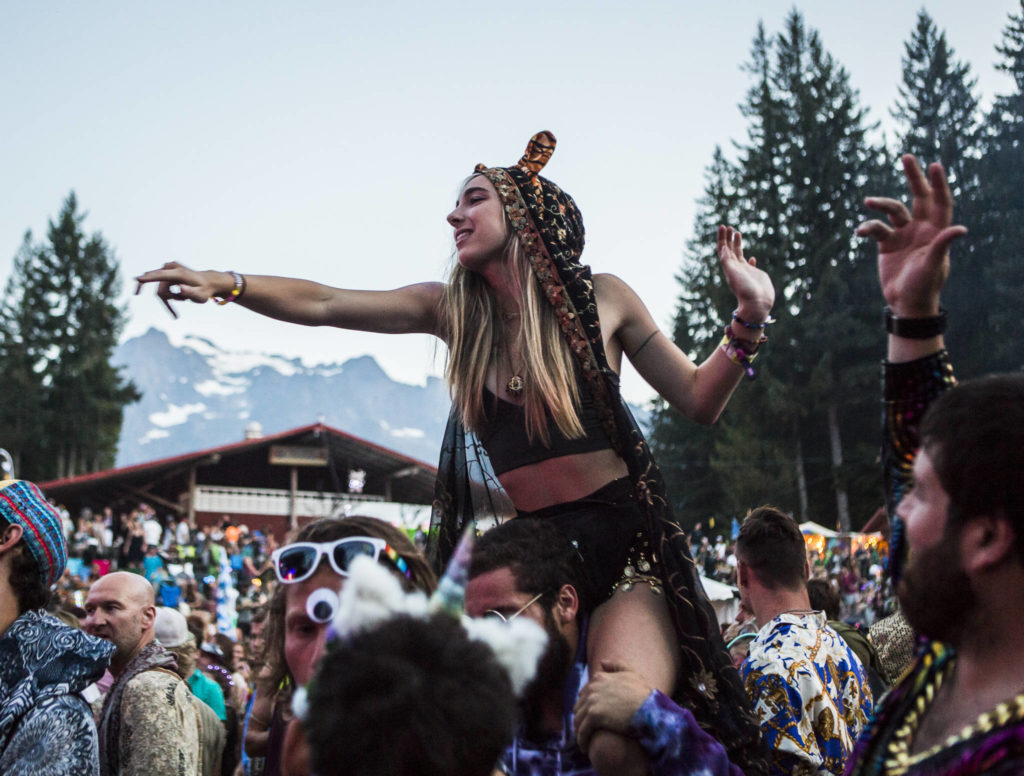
{"x":327,"y":140}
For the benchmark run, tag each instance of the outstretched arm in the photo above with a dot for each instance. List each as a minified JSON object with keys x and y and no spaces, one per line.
{"x":411,"y":309}
{"x":699,"y":392}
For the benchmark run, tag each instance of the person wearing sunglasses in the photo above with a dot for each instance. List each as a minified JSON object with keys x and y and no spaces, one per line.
{"x":528,"y":568}
{"x":311,"y":570}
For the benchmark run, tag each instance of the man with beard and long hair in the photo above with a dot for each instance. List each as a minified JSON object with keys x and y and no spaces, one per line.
{"x":956,"y":503}
{"x":527,"y":568}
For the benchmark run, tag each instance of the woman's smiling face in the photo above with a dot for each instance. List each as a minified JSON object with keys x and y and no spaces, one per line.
{"x":479,"y":223}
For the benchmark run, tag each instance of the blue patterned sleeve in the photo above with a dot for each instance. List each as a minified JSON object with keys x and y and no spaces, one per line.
{"x":675,"y":744}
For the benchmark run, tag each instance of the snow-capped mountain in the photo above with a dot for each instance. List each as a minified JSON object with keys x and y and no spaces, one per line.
{"x":196,"y":395}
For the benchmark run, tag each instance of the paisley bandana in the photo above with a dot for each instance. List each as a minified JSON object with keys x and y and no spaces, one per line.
{"x":550,"y":228}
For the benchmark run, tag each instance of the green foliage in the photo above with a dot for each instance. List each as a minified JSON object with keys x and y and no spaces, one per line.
{"x":795,"y":193}
{"x":59,"y":322}
{"x":805,"y":435}
{"x":998,"y":230}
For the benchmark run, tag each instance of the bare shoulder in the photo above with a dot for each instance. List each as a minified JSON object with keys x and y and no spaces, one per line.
{"x":607,"y":283}
{"x":619,"y":305}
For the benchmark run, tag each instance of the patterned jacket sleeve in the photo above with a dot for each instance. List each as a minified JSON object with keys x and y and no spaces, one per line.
{"x":908,"y":389}
{"x":675,"y":744}
{"x":56,"y":738}
{"x":159,"y":727}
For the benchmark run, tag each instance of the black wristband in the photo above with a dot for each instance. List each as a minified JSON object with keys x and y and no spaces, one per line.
{"x":915,"y":328}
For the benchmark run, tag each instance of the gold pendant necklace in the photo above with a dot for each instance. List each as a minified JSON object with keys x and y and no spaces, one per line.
{"x":514,"y":386}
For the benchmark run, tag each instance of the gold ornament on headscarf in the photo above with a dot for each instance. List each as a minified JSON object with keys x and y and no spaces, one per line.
{"x":538,"y":152}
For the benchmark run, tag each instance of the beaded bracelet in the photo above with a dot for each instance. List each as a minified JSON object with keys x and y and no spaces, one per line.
{"x":741,"y":352}
{"x":754,"y":326}
{"x":236,"y":292}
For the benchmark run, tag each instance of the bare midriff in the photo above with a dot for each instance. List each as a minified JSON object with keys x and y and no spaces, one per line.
{"x":558,"y":480}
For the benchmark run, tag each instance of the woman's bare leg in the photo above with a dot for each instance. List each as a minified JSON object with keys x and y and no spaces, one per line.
{"x":631,"y":628}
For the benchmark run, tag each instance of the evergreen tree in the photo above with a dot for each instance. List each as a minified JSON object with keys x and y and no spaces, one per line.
{"x":60,"y":325}
{"x":939,"y":122}
{"x":800,"y":436}
{"x":683,"y":448}
{"x":937,"y":108}
{"x":825,"y":356}
{"x":998,"y":230}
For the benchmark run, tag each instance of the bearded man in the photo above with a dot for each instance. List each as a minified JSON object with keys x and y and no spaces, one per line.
{"x":526,"y":567}
{"x":956,"y":502}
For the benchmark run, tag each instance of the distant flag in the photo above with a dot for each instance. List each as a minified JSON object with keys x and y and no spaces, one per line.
{"x":735,"y":529}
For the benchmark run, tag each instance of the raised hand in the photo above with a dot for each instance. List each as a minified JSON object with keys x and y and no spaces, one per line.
{"x":913,"y":248}
{"x":179,"y":283}
{"x":754,"y":291}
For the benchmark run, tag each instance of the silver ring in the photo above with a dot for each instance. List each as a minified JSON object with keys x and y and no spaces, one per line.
{"x":174,"y":289}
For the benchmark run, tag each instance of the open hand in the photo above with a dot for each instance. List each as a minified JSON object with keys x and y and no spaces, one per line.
{"x":913,"y":248}
{"x":609,"y":701}
{"x":754,"y":291}
{"x":179,"y":283}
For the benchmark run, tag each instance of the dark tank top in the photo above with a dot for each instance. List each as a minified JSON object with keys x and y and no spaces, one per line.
{"x":503,"y":435}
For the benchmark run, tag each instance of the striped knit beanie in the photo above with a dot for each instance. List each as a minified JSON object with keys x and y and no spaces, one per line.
{"x":22,"y":503}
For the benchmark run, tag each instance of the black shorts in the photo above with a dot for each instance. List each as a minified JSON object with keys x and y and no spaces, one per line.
{"x":608,"y":530}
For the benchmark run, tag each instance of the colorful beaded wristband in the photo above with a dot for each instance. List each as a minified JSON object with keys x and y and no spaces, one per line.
{"x":236,"y":292}
{"x":741,"y":352}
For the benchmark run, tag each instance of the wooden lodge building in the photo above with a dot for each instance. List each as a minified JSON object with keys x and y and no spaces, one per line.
{"x":272,"y":483}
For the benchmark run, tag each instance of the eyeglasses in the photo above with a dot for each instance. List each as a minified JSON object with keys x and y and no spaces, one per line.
{"x":297,"y":562}
{"x":523,"y":608}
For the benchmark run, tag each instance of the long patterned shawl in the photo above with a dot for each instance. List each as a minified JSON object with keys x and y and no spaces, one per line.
{"x":550,"y":228}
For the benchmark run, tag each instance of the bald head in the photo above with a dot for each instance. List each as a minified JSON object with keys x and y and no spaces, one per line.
{"x":130,"y":586}
{"x":121,"y":608}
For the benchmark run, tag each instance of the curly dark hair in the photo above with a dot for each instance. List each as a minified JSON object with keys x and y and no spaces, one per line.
{"x":537,"y":553}
{"x":26,"y":581}
{"x":411,"y":697}
{"x":275,"y":679}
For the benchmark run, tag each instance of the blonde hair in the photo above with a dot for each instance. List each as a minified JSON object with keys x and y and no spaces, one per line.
{"x":472,"y":323}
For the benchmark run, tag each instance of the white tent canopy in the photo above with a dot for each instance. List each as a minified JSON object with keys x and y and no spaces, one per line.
{"x":724,"y":598}
{"x":810,"y":527}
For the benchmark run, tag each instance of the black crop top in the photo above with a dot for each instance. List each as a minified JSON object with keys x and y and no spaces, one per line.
{"x":503,"y":435}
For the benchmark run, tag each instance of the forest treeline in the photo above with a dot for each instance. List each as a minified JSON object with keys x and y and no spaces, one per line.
{"x":805,"y":435}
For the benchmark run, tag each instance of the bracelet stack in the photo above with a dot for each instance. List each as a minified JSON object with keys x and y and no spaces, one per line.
{"x":236,"y":292}
{"x":742,"y":352}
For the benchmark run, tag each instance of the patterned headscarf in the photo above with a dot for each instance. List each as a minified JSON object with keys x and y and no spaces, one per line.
{"x":550,"y":229}
{"x":22,"y":503}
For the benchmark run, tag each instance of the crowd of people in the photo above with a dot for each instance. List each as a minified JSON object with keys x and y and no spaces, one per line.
{"x":575,"y":638}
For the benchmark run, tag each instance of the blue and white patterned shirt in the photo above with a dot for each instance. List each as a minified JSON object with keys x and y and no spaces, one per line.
{"x":810,"y":692}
